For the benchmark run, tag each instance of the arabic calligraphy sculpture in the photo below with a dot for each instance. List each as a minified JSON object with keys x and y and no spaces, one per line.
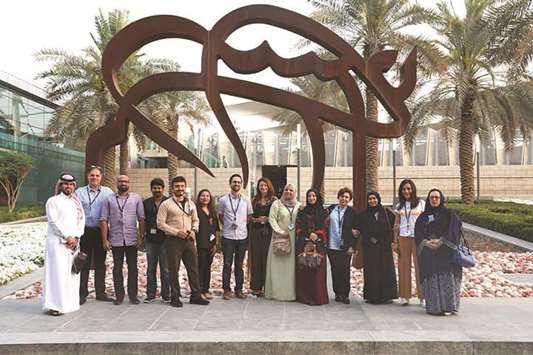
{"x":342,"y":69}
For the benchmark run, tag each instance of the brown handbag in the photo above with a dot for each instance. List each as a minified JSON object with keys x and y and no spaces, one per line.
{"x":281,"y":243}
{"x":79,"y":261}
{"x":309,"y":258}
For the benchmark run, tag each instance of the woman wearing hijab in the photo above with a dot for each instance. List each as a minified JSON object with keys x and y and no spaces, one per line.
{"x":311,"y":238}
{"x":437,"y":232}
{"x":376,"y":226}
{"x":280,"y":275}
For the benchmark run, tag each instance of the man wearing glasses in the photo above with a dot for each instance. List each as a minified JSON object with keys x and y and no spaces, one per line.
{"x":234,"y":210}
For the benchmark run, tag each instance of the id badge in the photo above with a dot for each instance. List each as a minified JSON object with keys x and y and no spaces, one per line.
{"x":431,"y":218}
{"x":212,"y":237}
{"x":153,"y":231}
{"x":234,"y":226}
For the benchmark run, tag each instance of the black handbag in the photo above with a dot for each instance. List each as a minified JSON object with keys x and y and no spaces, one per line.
{"x":79,"y":261}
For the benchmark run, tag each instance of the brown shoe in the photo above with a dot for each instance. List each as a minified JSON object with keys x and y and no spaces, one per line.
{"x":240,"y":295}
{"x":208,"y":296}
{"x":227,"y":295}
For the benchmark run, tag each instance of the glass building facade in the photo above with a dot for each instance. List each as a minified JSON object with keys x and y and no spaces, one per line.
{"x":24,"y":116}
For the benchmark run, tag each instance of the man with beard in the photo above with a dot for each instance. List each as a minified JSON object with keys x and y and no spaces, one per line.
{"x":66,"y":221}
{"x":120,"y":213}
{"x":92,"y":197}
{"x":178,"y":219}
{"x":235,"y":211}
{"x":153,"y":243}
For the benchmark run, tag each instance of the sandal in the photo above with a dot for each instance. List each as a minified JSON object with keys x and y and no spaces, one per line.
{"x":54,"y":313}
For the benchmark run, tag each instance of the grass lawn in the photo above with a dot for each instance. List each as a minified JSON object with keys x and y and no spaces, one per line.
{"x":505,"y":217}
{"x":22,"y":212}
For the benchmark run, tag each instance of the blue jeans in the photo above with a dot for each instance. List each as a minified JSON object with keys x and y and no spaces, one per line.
{"x":156,"y":253}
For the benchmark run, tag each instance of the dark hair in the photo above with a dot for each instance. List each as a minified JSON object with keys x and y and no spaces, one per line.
{"x":178,"y":179}
{"x":414,"y":199}
{"x":234,"y":175}
{"x":95,"y":167}
{"x":157,"y":182}
{"x":210,"y":205}
{"x":271,"y":194}
{"x":344,"y":190}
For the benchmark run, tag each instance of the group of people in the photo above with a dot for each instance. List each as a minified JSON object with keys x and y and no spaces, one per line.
{"x":288,"y":244}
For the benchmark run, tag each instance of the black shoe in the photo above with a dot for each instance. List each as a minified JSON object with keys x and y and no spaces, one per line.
{"x":134,"y":300}
{"x":176,"y":303}
{"x":118,"y":301}
{"x":345,"y":300}
{"x":199,"y":301}
{"x":149,"y":299}
{"x":166,"y":299}
{"x":338,"y":299}
{"x":104,"y":298}
{"x":83,"y":300}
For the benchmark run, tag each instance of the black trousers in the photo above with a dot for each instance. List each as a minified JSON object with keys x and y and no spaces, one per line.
{"x":258,"y":253}
{"x":340,"y":271}
{"x":91,"y":244}
{"x":182,"y":250}
{"x":233,"y":248}
{"x":118,"y":279}
{"x":205,"y":259}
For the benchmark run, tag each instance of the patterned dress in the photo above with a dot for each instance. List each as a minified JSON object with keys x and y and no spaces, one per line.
{"x":441,"y":280}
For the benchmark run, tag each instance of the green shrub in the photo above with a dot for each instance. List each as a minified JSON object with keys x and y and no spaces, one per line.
{"x":504,"y":217}
{"x":21,"y":212}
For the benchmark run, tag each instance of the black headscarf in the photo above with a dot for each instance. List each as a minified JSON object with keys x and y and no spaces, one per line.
{"x":315,"y":211}
{"x":378,"y":208}
{"x":429,"y":208}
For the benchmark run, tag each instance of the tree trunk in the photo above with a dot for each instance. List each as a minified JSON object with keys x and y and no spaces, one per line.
{"x":372,"y":158}
{"x":172,"y":160}
{"x":124,"y":157}
{"x":109,"y":168}
{"x":466,"y":157}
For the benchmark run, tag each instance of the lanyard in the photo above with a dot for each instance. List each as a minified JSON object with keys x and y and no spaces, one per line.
{"x":181,"y":207}
{"x":407,"y":215}
{"x":89,"y":197}
{"x":121,"y":208}
{"x":341,"y":220}
{"x":236,"y":209}
{"x":291,"y":211}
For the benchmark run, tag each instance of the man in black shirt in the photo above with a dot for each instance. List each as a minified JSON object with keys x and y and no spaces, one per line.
{"x":153,"y":241}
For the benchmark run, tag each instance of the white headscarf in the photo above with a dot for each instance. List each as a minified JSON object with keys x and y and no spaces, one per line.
{"x":289,"y":202}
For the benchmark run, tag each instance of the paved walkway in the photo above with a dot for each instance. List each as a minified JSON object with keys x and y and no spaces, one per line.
{"x":488,"y":325}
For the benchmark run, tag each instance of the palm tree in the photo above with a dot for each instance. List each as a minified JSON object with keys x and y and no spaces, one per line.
{"x":167,"y":108}
{"x":76,"y":82}
{"x":372,"y":26}
{"x":486,"y":84}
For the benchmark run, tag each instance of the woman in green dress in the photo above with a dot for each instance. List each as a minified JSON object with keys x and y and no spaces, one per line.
{"x":280,"y":278}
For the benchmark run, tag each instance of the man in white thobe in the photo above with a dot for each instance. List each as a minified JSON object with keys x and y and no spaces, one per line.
{"x":66,"y":222}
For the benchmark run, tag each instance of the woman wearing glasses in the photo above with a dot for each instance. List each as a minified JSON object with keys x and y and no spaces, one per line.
{"x":437,"y":232}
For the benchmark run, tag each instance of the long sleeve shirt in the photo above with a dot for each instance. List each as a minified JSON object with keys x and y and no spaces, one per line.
{"x":92,"y":201}
{"x":174,"y":216}
{"x":122,"y":214}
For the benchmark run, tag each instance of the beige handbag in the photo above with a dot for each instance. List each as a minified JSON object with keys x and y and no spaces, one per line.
{"x":281,"y":243}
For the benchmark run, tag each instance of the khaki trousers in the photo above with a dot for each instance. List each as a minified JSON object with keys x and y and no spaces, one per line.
{"x":407,"y":249}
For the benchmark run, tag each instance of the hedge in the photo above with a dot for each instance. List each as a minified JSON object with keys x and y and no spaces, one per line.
{"x":505,"y":217}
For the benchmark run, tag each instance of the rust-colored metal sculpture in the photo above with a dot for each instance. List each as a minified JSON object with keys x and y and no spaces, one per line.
{"x":342,"y":69}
